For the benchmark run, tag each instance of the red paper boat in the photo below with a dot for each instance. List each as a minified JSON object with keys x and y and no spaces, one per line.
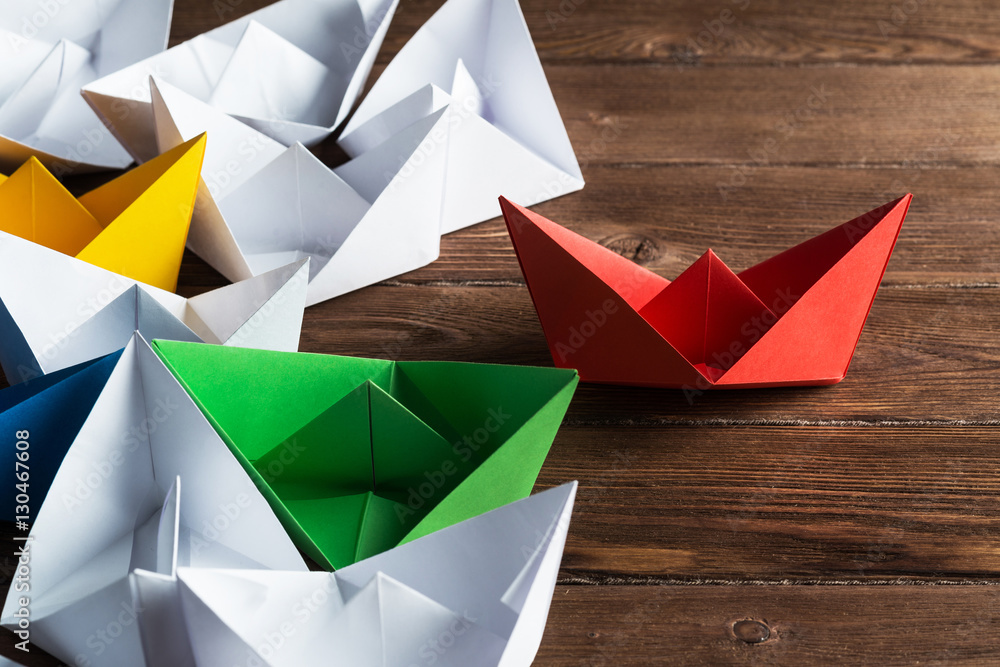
{"x":793,"y":319}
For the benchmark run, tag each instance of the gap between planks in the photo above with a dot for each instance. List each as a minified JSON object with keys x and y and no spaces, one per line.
{"x":521,"y":284}
{"x":721,"y":421}
{"x":625,"y":580}
{"x":697,"y":63}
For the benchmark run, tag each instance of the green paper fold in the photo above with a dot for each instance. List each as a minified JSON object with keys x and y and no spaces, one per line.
{"x":357,"y":456}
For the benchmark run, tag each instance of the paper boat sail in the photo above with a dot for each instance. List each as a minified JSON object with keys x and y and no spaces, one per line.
{"x":505,"y":134}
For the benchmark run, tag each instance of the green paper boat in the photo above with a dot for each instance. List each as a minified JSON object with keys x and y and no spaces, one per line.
{"x":357,"y":456}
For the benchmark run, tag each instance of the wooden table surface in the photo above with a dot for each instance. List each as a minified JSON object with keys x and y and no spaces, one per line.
{"x":858,"y":523}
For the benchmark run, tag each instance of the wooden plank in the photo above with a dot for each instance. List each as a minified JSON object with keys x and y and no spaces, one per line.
{"x":828,"y":503}
{"x":761,"y":32}
{"x":925,"y":354}
{"x":887,"y":477}
{"x":694,"y":625}
{"x":797,"y":115}
{"x":682,"y":33}
{"x":667,"y":217}
{"x":819,"y":116}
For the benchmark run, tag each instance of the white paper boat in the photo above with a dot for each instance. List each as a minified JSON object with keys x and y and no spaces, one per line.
{"x":89,"y":312}
{"x":506,"y":134}
{"x":291,"y":70}
{"x":115,"y":505}
{"x":262,"y":205}
{"x":49,"y":50}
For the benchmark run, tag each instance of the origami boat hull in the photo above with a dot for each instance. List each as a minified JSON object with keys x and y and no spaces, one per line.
{"x":792,"y":320}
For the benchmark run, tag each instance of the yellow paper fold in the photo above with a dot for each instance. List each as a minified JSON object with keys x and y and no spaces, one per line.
{"x":135,"y":225}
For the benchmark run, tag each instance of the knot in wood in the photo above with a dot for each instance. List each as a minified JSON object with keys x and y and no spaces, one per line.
{"x":751,"y":632}
{"x":635,"y":247}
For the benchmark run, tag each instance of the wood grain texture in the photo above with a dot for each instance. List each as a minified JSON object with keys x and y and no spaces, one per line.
{"x":777,"y":503}
{"x":855,"y":524}
{"x":793,"y":115}
{"x":692,"y":625}
{"x":674,"y":32}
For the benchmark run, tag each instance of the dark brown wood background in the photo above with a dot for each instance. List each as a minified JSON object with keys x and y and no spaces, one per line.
{"x":858,"y":523}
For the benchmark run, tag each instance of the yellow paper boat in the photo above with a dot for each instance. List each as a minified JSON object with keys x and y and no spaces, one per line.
{"x":135,"y":225}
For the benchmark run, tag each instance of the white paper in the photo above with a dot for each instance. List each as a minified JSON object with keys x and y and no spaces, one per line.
{"x":476,"y":594}
{"x":291,"y":70}
{"x":264,"y":205}
{"x":89,"y":312}
{"x":49,"y":50}
{"x":507,"y":137}
{"x":116,"y":505}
